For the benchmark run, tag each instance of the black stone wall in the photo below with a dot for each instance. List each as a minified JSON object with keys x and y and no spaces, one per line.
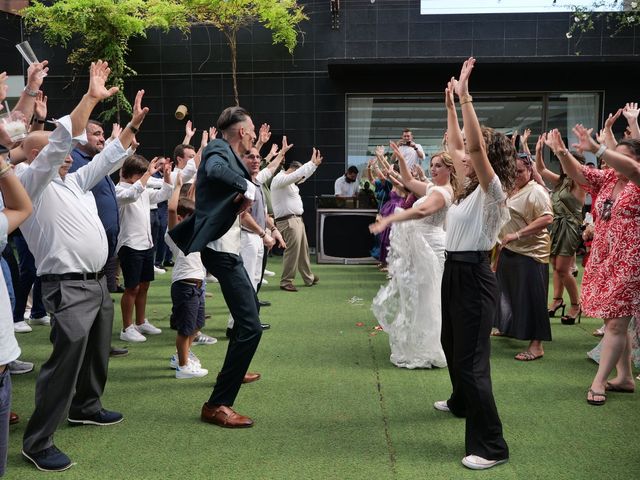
{"x":386,"y":46}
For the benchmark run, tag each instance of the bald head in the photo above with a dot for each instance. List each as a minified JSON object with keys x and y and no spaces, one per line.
{"x":34,"y":142}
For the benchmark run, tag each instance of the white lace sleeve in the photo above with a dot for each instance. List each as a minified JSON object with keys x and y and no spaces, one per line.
{"x":495,"y":211}
{"x":445,"y":192}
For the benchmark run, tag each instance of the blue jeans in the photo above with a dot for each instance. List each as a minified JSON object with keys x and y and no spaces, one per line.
{"x":6,"y":272}
{"x":28,"y":279}
{"x":5,"y":410}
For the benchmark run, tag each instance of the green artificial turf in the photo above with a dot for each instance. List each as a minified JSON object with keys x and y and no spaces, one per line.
{"x":330,"y":405}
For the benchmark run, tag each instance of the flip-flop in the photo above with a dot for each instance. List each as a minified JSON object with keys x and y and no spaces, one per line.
{"x":592,"y":401}
{"x":610,"y":387}
{"x":527,"y":356}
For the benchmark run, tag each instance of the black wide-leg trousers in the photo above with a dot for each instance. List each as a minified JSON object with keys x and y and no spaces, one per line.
{"x":469,"y":305}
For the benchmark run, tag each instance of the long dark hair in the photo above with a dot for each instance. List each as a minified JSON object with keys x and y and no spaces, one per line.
{"x":563,"y":176}
{"x":502,"y":157}
{"x":634,"y":146}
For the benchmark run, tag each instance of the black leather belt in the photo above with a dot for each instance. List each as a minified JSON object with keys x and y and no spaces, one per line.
{"x":72,"y":276}
{"x":479,"y":256}
{"x":192,"y":281}
{"x":287,"y":217}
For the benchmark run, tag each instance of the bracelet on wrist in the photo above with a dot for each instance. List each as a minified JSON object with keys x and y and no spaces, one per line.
{"x":601,"y":150}
{"x":132,"y":128}
{"x":29,"y":92}
{"x":37,"y":120}
{"x":5,"y":170}
{"x":466,"y":99}
{"x":263,"y":234}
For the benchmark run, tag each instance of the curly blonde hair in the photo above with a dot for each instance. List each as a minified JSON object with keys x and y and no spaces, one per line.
{"x":448,"y":162}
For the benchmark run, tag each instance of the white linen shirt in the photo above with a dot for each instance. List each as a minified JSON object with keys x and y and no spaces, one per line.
{"x":134,"y":202}
{"x":285,"y":194}
{"x":64,"y":232}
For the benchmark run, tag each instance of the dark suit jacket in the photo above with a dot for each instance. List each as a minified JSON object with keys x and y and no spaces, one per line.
{"x":221,"y":177}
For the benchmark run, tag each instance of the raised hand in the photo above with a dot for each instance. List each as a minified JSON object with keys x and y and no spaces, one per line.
{"x":155,"y":165}
{"x":274,"y":150}
{"x":316,"y":157}
{"x":514,"y":137}
{"x":449,"y":101}
{"x":264,"y":134}
{"x":630,"y":112}
{"x":36,"y":73}
{"x":396,"y":150}
{"x":139,"y":112}
{"x":3,"y":88}
{"x":40,"y":108}
{"x":98,"y":74}
{"x":611,"y":119}
{"x":462,"y":85}
{"x":116,"y":130}
{"x":205,"y":139}
{"x":540,"y":143}
{"x":213,"y":133}
{"x":601,"y":136}
{"x":286,"y":147}
{"x":525,"y":135}
{"x":189,"y":131}
{"x":585,"y":142}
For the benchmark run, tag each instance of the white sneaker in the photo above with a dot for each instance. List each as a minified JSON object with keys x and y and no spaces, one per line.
{"x":174,"y":363}
{"x":27,"y":313}
{"x":202,"y":339}
{"x":158,"y":270}
{"x":269,"y":273}
{"x":475,"y":462}
{"x":148,"y":328}
{"x":211,"y":279}
{"x":264,"y":281}
{"x":191,"y":370}
{"x":22,"y":327}
{"x":46,"y":320}
{"x":130,"y":334}
{"x":442,"y":406}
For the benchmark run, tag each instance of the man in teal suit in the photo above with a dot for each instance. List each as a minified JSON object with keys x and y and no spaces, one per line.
{"x":223,"y":190}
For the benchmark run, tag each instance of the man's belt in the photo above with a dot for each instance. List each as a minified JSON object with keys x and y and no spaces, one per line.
{"x":479,"y":256}
{"x":287,"y":217}
{"x":192,"y":281}
{"x":72,"y":276}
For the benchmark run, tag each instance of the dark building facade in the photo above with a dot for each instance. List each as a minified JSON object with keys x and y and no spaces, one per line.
{"x":385,"y":68}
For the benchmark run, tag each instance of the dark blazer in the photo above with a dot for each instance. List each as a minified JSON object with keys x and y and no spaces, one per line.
{"x":221,"y":177}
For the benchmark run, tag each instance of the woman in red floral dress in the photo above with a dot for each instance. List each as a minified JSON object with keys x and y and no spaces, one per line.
{"x":611,"y":283}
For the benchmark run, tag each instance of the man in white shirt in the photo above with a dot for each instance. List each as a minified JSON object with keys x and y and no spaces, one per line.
{"x":288,"y":210}
{"x":69,"y":245}
{"x":412,"y":152}
{"x":347,"y":185}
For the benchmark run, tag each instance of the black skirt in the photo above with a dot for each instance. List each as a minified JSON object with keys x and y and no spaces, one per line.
{"x":524,"y":288}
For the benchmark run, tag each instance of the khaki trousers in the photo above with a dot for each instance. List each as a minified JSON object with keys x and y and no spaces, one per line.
{"x":296,"y":255}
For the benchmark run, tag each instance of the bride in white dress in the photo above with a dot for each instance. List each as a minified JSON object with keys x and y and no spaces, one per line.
{"x":408,"y":307}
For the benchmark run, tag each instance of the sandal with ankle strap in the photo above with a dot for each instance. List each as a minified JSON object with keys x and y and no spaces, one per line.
{"x":552,"y":313}
{"x":568,"y":319}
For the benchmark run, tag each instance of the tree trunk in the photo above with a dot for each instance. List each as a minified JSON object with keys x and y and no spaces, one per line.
{"x":233,"y":46}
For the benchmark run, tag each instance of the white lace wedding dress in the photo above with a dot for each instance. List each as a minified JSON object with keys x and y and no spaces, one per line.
{"x":408,"y":307}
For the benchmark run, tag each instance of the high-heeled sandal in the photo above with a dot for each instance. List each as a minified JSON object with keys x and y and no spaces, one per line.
{"x":568,"y":319}
{"x":552,"y":313}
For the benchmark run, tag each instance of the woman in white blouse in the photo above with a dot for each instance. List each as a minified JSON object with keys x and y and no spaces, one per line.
{"x":469,"y":288}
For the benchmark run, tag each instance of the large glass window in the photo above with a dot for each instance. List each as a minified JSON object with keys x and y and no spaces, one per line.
{"x":374,"y":120}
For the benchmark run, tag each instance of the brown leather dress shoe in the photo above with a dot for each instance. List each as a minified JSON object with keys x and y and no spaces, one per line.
{"x":251,"y":377}
{"x":289,"y":287}
{"x":224,"y":416}
{"x":13,"y":418}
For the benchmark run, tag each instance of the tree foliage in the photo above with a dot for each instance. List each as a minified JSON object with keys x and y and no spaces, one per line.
{"x":102,"y":29}
{"x":615,"y":15}
{"x":281,"y":17}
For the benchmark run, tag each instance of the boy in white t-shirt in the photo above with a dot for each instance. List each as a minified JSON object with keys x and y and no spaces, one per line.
{"x":187,"y":292}
{"x":135,"y":244}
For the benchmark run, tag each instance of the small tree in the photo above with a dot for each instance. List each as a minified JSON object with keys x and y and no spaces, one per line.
{"x":281,"y":17}
{"x":616,"y":16}
{"x":101,"y":29}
